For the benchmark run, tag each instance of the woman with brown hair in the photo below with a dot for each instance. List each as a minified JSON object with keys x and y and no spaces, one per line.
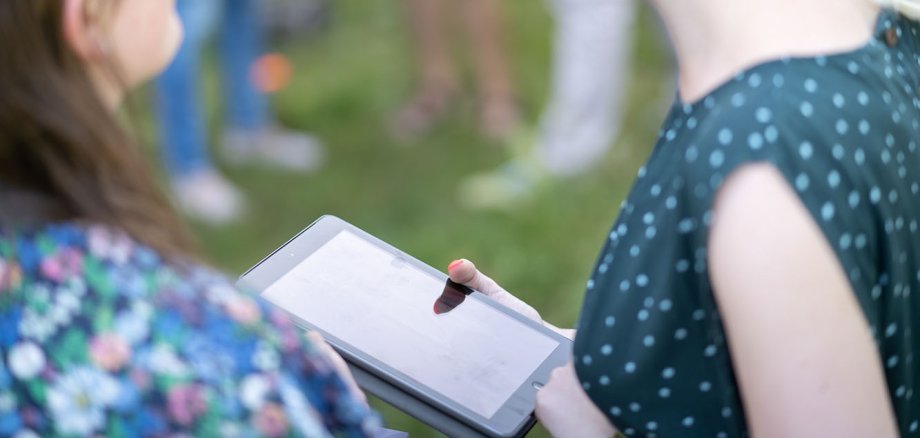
{"x":109,"y":325}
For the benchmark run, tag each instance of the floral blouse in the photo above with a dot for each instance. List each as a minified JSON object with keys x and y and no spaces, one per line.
{"x":99,"y":336}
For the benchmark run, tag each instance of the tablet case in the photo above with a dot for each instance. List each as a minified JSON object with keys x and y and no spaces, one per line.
{"x":420,"y":410}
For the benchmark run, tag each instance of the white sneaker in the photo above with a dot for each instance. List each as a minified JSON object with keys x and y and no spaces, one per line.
{"x":207,"y":196}
{"x":274,"y":146}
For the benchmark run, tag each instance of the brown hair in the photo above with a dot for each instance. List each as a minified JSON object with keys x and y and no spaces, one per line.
{"x":58,"y":138}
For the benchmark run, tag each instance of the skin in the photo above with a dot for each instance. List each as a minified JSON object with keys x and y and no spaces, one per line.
{"x":139,"y":38}
{"x":800,"y":344}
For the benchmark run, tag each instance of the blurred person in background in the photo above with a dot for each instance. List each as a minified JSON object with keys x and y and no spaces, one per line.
{"x":591,"y":66}
{"x":761,"y":278}
{"x":438,"y":78}
{"x":250,"y":133}
{"x":110,"y":327}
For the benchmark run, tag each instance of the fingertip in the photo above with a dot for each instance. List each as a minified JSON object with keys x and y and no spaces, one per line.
{"x":462,"y":271}
{"x":454,"y":264}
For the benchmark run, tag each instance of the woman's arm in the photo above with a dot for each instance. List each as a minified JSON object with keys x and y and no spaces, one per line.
{"x":800,"y":344}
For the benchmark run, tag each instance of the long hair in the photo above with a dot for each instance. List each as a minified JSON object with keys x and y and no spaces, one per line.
{"x":59,"y":139}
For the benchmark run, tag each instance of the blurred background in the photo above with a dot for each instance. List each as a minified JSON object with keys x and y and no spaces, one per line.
{"x":347,"y":71}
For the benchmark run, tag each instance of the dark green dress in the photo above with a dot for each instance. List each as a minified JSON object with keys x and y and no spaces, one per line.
{"x":844,"y":130}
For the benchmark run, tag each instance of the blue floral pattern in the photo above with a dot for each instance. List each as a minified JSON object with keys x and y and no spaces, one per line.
{"x":100,"y":336}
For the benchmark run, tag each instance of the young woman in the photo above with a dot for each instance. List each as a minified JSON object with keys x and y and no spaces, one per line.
{"x":109,"y":327}
{"x":762,"y":277}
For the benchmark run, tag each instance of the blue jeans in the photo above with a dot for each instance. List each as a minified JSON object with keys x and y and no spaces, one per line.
{"x":182,"y":118}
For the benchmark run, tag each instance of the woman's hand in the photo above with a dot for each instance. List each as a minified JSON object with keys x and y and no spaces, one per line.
{"x":464,"y":272}
{"x":338,"y":363}
{"x":565,"y":410}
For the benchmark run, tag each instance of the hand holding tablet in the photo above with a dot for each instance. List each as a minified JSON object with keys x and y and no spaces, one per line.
{"x":454,"y":358}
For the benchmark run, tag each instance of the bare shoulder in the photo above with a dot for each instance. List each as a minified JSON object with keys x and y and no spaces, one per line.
{"x":800,"y":345}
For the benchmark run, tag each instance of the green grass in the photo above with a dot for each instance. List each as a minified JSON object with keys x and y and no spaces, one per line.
{"x":350,"y":79}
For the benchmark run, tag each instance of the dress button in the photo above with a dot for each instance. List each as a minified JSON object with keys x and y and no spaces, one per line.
{"x":891,"y":37}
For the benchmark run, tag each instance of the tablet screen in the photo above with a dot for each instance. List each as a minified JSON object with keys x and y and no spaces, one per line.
{"x":467,"y":351}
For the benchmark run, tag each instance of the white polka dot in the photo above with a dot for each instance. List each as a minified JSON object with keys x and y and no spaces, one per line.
{"x":648,"y":341}
{"x":778,"y":80}
{"x":863,"y":98}
{"x":839,"y":101}
{"x":642,"y":280}
{"x":726,"y":412}
{"x":606,"y":350}
{"x":604,"y":380}
{"x":755,"y":80}
{"x":687,"y":421}
{"x":833,"y":179}
{"x":668,"y":373}
{"x":811,"y":85}
{"x":630,"y":367}
{"x":670,"y":203}
{"x":842,"y":126}
{"x":891,"y":330}
{"x":892,"y":362}
{"x":853,"y":67}
{"x":709,"y":351}
{"x":801,"y":182}
{"x":860,"y":241}
{"x":680,"y":334}
{"x":691,"y":154}
{"x":806,"y":150}
{"x":610,"y":321}
{"x":615,"y":411}
{"x":827,"y":211}
{"x":738,"y":100}
{"x":705,"y":386}
{"x":864,"y":127}
{"x":635,"y":407}
{"x":691,"y":123}
{"x":665,"y":305}
{"x":655,"y":190}
{"x":725,"y":136}
{"x":755,"y":140}
{"x":859,"y":156}
{"x":642,"y":315}
{"x":763,"y":115}
{"x":845,"y":241}
{"x":853,"y":199}
{"x":664,"y":392}
{"x":634,"y":250}
{"x":624,"y":285}
{"x":586,"y":359}
{"x":699,"y":315}
{"x":771,"y":133}
{"x":838,"y":151}
{"x":717,"y":158}
{"x":875,"y":195}
{"x":682,"y":266}
{"x":807,"y":109}
{"x":649,"y":302}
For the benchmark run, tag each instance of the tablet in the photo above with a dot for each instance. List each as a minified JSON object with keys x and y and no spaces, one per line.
{"x":447,"y":355}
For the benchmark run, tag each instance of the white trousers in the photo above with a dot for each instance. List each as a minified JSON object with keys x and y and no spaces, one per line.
{"x":592,"y":50}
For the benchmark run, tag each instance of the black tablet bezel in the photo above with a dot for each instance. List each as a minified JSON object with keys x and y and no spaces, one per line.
{"x":513,"y":415}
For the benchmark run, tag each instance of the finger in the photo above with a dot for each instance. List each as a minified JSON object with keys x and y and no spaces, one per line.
{"x":464,"y":272}
{"x":338,"y":364}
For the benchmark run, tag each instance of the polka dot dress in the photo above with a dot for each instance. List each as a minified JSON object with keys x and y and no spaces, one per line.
{"x":844,"y":131}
